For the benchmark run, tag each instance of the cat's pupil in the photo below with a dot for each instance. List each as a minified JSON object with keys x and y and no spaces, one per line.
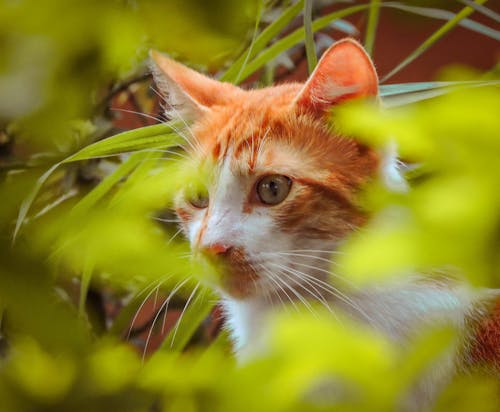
{"x":199,"y":200}
{"x":273,"y":186}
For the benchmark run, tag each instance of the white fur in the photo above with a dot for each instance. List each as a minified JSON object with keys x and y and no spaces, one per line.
{"x":390,"y":170}
{"x":398,"y":310}
{"x":247,"y":322}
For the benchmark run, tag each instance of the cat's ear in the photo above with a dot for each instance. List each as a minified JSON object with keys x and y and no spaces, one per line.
{"x":345,"y":71}
{"x":189,"y":94}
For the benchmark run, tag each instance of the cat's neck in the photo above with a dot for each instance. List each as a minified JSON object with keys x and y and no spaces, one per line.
{"x":246,"y":321}
{"x":396,"y":311}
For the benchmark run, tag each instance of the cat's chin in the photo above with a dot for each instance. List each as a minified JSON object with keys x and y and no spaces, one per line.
{"x":236,"y":276}
{"x":239,"y":283}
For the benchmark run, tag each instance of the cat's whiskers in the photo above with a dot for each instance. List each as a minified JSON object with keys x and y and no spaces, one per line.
{"x":262,"y":142}
{"x":265,"y":289}
{"x":310,"y":280}
{"x":297,"y":294}
{"x":302,"y":255}
{"x":159,"y":219}
{"x":336,"y":275}
{"x":186,"y":255}
{"x":192,"y":142}
{"x":174,"y":236}
{"x":254,"y":281}
{"x":333,"y":252}
{"x":307,"y":281}
{"x":158,"y":120}
{"x":158,"y":285}
{"x":275,"y":280}
{"x":155,"y":300}
{"x":333,"y":291}
{"x":268,"y":290}
{"x":327,"y":286}
{"x":163,"y":307}
{"x":146,"y":115}
{"x":182,"y":313}
{"x":328,"y":272}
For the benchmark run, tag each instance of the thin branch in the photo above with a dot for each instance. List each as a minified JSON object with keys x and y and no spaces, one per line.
{"x":371,"y":26}
{"x":312,"y":59}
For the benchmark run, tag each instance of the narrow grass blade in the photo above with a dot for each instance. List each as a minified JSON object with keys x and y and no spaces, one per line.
{"x":312,"y":59}
{"x":145,"y":163}
{"x":482,"y":9}
{"x":30,"y":198}
{"x":261,"y":41}
{"x":393,"y":98}
{"x":254,"y":37}
{"x":446,"y":15}
{"x":437,"y":35}
{"x":222,"y":343}
{"x":156,"y":136}
{"x":294,"y":38}
{"x":88,"y":269}
{"x":345,"y":27}
{"x":96,"y":194}
{"x":387,"y":90}
{"x":371,"y":26}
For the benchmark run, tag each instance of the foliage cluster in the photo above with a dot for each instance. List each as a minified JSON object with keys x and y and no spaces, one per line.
{"x":85,"y":204}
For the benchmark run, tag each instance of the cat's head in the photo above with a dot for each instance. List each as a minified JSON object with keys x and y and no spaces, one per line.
{"x":283,"y":193}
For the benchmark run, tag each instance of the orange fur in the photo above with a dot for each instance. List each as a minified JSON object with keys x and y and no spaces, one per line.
{"x":284,"y":130}
{"x":485,"y":348}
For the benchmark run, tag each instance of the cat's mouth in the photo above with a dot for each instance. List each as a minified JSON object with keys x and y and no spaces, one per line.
{"x":237,"y":276}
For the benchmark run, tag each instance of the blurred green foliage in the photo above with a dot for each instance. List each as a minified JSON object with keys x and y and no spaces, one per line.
{"x":89,"y":205}
{"x":81,"y":47}
{"x":450,"y":219}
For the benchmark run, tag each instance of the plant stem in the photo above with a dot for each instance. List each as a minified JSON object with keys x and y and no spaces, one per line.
{"x":371,"y":26}
{"x":312,"y":60}
{"x":433,"y":38}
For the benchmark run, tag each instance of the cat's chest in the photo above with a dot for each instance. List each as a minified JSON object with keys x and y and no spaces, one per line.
{"x":395,"y":311}
{"x":247,"y":322}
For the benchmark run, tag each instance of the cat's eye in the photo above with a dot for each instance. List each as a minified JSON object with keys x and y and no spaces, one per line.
{"x":273,"y":189}
{"x":199,"y":200}
{"x":197,"y":195}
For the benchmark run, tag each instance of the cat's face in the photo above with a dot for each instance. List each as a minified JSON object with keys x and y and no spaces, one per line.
{"x":281,"y":194}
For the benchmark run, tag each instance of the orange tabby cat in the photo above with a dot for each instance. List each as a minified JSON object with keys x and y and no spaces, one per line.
{"x":284,"y":196}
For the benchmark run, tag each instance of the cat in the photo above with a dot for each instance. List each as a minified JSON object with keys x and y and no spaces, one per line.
{"x":284,"y":196}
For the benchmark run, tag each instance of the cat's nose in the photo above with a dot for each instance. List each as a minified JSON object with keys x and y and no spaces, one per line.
{"x":217,"y":249}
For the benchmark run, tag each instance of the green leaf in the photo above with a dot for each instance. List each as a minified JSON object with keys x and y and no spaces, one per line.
{"x":93,"y":197}
{"x":394,"y":95}
{"x":397,"y":89}
{"x":482,"y":9}
{"x":294,"y":38}
{"x":345,"y":26}
{"x":233,"y":73}
{"x":149,"y":137}
{"x":28,"y":201}
{"x":437,"y":35}
{"x":247,"y":53}
{"x":447,"y":15}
